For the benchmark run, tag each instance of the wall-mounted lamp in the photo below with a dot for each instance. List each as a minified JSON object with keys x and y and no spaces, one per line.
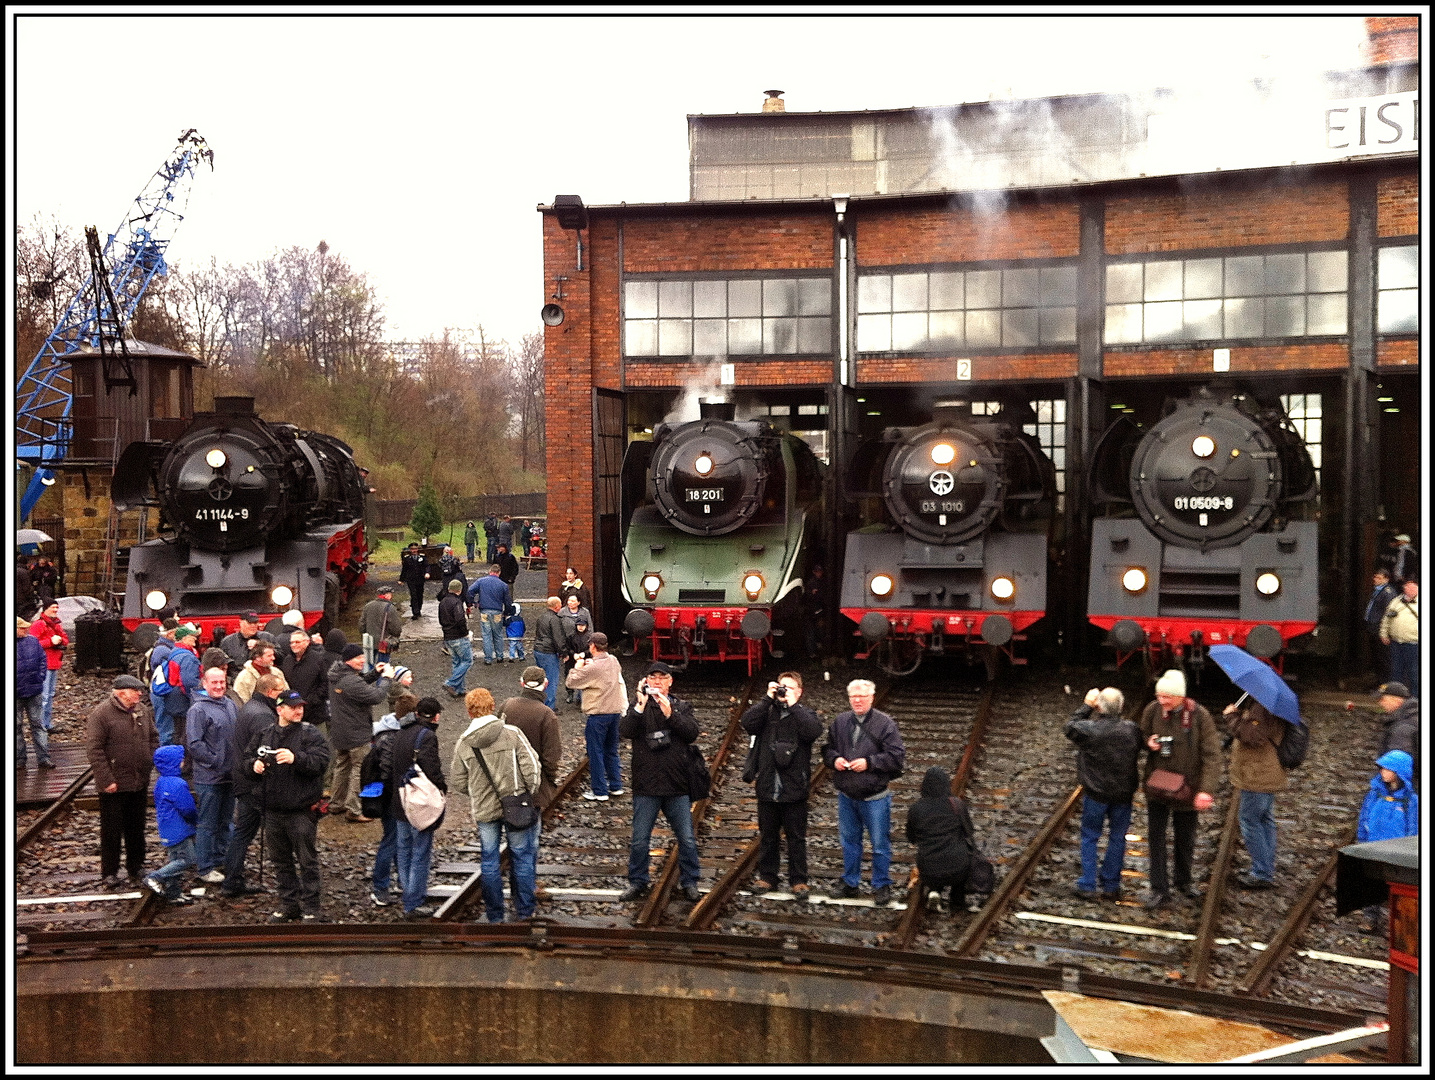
{"x":572,"y":214}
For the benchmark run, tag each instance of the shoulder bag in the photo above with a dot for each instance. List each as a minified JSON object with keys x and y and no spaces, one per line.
{"x":518,"y":810}
{"x":699,"y":777}
{"x":422,"y":801}
{"x":981,"y":874}
{"x":1168,"y":786}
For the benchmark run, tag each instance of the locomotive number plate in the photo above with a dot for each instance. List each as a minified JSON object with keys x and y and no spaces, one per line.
{"x":705,"y":494}
{"x":944,"y":506}
{"x":1203,"y":502}
{"x":221,"y":514}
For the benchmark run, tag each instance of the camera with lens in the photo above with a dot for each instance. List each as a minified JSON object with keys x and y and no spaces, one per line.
{"x":780,"y":694}
{"x":267,"y":753}
{"x":1165,"y":741}
{"x":659,"y":740}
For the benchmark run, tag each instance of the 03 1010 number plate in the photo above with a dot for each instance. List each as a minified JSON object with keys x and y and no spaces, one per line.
{"x":943,"y":506}
{"x":708,"y":495}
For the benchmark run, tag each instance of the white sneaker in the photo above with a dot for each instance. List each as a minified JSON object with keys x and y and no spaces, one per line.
{"x":595,"y":798}
{"x":214,"y":877}
{"x":616,"y":791}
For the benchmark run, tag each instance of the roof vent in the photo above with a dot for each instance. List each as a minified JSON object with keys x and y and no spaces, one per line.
{"x":774,"y":102}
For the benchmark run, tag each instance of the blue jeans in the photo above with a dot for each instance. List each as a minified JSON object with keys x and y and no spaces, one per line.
{"x":1404,"y":667}
{"x":461,"y":649}
{"x":52,"y":679}
{"x":386,"y":859}
{"x":216,"y":814}
{"x":549,"y":663}
{"x":1258,"y":831}
{"x":415,"y":857}
{"x":1094,"y":815}
{"x":605,"y":772}
{"x":248,"y":818}
{"x":515,"y":648}
{"x":491,"y":623}
{"x":874,"y":815}
{"x":181,"y":858}
{"x":523,"y":850}
{"x":33,"y":709}
{"x":678,"y":809}
{"x":470,"y":551}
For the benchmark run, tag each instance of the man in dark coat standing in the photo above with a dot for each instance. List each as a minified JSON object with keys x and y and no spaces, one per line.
{"x":24,"y":590}
{"x":380,"y":620}
{"x":507,"y":565}
{"x":353,"y":693}
{"x":121,"y":741}
{"x":864,"y":750}
{"x":453,"y":622}
{"x":1108,"y":749}
{"x":305,"y":667}
{"x":257,"y":716}
{"x":783,"y":731}
{"x":413,"y":573}
{"x":549,"y":636}
{"x":661,"y":727}
{"x":539,"y":725}
{"x":415,"y":743}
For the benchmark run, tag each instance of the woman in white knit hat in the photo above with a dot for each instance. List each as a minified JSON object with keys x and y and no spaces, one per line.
{"x":1181,"y":738}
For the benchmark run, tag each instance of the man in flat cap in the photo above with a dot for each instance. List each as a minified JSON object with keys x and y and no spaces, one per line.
{"x":121,"y":741}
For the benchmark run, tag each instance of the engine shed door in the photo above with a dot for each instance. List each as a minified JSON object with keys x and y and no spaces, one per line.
{"x":609,"y":436}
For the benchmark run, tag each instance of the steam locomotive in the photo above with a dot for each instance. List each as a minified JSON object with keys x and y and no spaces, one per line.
{"x":254,"y":516}
{"x":1203,"y":544}
{"x":721,"y":516}
{"x":954,"y":556}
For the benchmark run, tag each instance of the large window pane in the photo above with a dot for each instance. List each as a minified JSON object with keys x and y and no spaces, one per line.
{"x":1285,"y":316}
{"x":874,"y":293}
{"x":1325,"y":313}
{"x":1285,"y":274}
{"x":984,"y":328}
{"x":945,"y":292}
{"x":1399,"y":267}
{"x":710,"y":337}
{"x":909,"y":329}
{"x":709,"y":299}
{"x":744,"y":299}
{"x":1123,"y":283}
{"x":1203,"y":279}
{"x":1245,"y":275}
{"x":640,"y":299}
{"x":744,"y":336}
{"x":874,"y":333}
{"x":1325,"y":271}
{"x":675,"y":337}
{"x":1123,"y":324}
{"x":1021,"y":288}
{"x":779,"y":336}
{"x":814,"y":335}
{"x":1019,"y":328}
{"x":945,"y":328}
{"x":779,"y":298}
{"x":909,"y":292}
{"x":1058,"y":286}
{"x":1245,"y":318}
{"x":1163,"y":281}
{"x":675,"y":300}
{"x":1058,"y":325}
{"x":640,"y":336}
{"x":814,"y":296}
{"x":1163,"y":321}
{"x":984,"y":289}
{"x":1399,"y":311}
{"x":1202,"y":319}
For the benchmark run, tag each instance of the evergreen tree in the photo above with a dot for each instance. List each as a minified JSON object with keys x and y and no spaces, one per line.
{"x":428,"y":515}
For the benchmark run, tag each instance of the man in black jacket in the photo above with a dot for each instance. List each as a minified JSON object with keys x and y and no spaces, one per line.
{"x":548,"y":640}
{"x":453,"y":621}
{"x":507,"y":565}
{"x":1107,"y":752}
{"x":865,"y":753}
{"x":413,"y":572}
{"x":661,"y":727}
{"x":940,"y":825}
{"x":292,"y":762}
{"x":1402,"y":723}
{"x":255,"y":717}
{"x":415,"y":743}
{"x":783,"y":732}
{"x":306,"y":669}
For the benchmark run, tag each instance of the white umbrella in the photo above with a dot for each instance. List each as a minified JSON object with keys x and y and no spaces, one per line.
{"x":32,"y":536}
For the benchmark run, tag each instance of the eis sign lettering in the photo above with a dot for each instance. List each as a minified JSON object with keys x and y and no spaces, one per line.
{"x":1378,"y":125}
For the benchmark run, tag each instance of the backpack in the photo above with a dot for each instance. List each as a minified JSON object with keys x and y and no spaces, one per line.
{"x":371,"y":783}
{"x":163,"y":680}
{"x":1294,"y":745}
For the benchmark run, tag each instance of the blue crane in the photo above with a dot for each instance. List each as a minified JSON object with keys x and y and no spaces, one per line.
{"x":100,"y":311}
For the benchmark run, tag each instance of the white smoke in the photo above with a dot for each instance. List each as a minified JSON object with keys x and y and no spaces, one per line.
{"x":704,"y":384}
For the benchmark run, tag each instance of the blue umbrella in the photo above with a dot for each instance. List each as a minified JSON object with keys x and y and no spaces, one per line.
{"x":1258,"y":679}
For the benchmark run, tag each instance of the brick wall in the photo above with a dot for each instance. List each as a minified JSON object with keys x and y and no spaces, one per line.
{"x":1397,"y":353}
{"x":795,"y":240}
{"x":894,"y":235}
{"x":1257,"y":358}
{"x":1398,"y":205}
{"x":1392,"y":38}
{"x":1300,"y":213}
{"x":984,"y":368}
{"x":806,"y":372}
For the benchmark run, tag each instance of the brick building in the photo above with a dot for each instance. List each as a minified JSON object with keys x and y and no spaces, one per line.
{"x":837,"y":273}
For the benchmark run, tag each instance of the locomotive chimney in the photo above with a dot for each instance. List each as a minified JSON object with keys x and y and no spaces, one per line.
{"x":773,"y":102}
{"x":234,"y":406}
{"x":717,"y":410}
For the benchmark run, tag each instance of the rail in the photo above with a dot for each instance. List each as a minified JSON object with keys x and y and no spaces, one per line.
{"x":56,"y":810}
{"x":1215,"y":896}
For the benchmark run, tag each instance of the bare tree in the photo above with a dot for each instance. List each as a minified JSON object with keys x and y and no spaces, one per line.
{"x":528,"y":377}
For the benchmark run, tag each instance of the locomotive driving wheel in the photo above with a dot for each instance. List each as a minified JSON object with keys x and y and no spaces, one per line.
{"x":898,"y":656}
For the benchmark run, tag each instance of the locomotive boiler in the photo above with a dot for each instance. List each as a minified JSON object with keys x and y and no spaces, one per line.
{"x":1203,"y":543}
{"x":721,"y":515}
{"x":255,"y":516}
{"x":955,"y":560}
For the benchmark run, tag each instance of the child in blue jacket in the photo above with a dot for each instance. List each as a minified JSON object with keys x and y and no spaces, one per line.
{"x":177,"y":817}
{"x":1392,"y":809}
{"x":514,"y":628}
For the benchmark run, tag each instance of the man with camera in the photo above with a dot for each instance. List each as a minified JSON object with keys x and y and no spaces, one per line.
{"x":865,"y":753}
{"x":605,"y":699}
{"x":661,"y":727}
{"x":291,"y":758}
{"x":1106,"y":751}
{"x":1183,"y":766}
{"x":780,"y":763}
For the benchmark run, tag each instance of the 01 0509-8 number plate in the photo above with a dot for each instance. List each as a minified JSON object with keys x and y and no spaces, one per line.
{"x":1203,"y":502}
{"x":709,"y":495}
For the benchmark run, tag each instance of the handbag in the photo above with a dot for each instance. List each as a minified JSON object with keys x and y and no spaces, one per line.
{"x":422,"y":801}
{"x":749,"y":765}
{"x":1168,"y":786}
{"x":700,"y":780}
{"x":981,"y":874}
{"x":518,"y":810}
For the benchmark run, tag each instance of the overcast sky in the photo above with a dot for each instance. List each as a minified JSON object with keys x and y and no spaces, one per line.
{"x":419,"y":146}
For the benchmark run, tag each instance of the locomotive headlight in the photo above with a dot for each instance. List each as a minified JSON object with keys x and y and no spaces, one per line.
{"x":881,"y":585}
{"x":155,"y":599}
{"x":282,"y":595}
{"x":215,"y":459}
{"x":704,"y":464}
{"x":1268,"y":584}
{"x":1003,"y":588}
{"x":651,"y":584}
{"x":943,"y":453}
{"x":1134,"y":580}
{"x":752,"y":585}
{"x":1203,"y":446}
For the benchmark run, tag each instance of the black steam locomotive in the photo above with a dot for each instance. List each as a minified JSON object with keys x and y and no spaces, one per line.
{"x":720,"y":516}
{"x":1202,"y":544}
{"x":255,"y":516}
{"x":954,"y":554}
